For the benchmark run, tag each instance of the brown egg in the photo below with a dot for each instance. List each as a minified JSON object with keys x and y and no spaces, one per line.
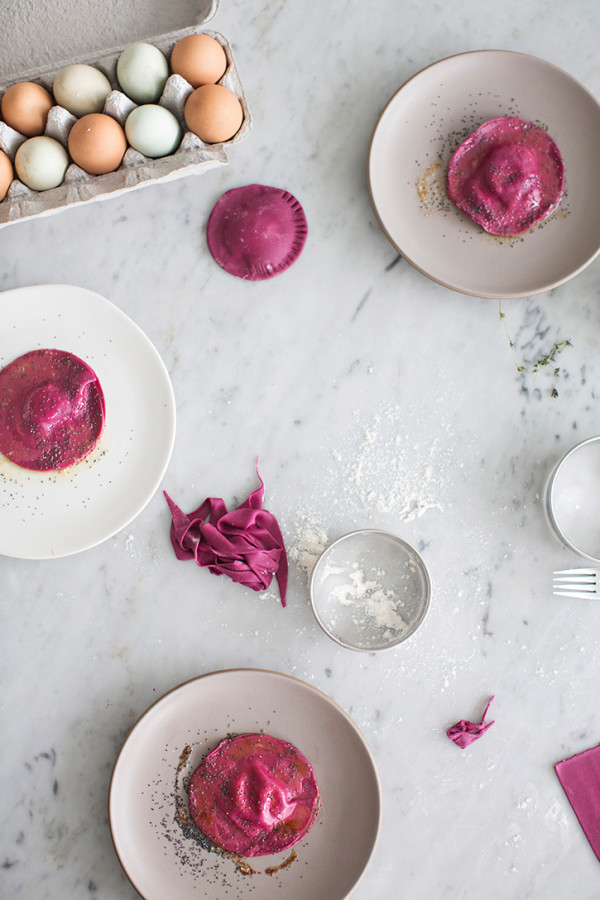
{"x":25,"y":108}
{"x":214,"y":113}
{"x":6,"y":174}
{"x":97,"y":143}
{"x":199,"y":59}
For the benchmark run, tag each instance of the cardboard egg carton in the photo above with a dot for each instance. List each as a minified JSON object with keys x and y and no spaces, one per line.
{"x":192,"y":157}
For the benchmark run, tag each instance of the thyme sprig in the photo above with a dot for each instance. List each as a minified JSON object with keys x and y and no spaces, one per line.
{"x":544,"y":361}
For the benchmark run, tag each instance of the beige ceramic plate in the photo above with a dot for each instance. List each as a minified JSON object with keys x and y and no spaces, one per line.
{"x":161,"y":862}
{"x":412,"y":143}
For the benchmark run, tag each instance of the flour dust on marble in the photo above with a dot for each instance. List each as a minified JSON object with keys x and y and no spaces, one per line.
{"x":375,"y":471}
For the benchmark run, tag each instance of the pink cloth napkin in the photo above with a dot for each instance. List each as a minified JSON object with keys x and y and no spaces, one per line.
{"x":465,"y":732}
{"x":246,"y":544}
{"x":580,"y":779}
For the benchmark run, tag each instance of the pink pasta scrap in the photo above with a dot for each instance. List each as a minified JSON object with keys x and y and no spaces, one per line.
{"x":464,"y":732}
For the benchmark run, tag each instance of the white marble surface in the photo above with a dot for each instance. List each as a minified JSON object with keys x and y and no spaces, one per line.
{"x":362,"y":387}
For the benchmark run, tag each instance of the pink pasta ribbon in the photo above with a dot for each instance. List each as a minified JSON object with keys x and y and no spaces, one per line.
{"x":465,"y":732}
{"x":246,"y":543}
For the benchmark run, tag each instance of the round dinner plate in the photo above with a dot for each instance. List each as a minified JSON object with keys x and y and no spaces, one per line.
{"x":161,"y":861}
{"x":52,"y":514}
{"x":411,"y":146}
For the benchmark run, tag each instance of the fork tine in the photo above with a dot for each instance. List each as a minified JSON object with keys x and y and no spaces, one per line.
{"x":576,"y":595}
{"x":578,"y":579}
{"x":576,"y":572}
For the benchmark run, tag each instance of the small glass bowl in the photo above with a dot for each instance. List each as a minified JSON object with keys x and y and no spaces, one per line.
{"x":369,"y":590}
{"x":573,"y":499}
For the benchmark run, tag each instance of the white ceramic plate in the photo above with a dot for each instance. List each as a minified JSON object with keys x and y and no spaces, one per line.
{"x":417,"y":133}
{"x":51,"y":514}
{"x":161,"y":862}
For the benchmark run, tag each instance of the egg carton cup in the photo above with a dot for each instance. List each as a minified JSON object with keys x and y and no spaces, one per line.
{"x":193,"y":156}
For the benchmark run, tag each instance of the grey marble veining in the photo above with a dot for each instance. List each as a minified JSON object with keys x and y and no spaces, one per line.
{"x":372,"y":397}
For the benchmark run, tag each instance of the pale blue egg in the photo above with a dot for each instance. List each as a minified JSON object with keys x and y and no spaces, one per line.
{"x":153,"y":131}
{"x":142,"y":71}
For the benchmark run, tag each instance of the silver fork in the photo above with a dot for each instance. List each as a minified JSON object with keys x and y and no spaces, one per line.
{"x":577,"y":583}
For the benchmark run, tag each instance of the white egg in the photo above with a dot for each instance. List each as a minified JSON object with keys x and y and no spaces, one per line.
{"x":41,"y":163}
{"x":142,"y":71}
{"x":81,"y":89}
{"x":153,"y":130}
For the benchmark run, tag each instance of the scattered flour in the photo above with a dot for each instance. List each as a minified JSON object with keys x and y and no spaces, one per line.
{"x":374,"y":471}
{"x":309,"y":542}
{"x":384,"y":473}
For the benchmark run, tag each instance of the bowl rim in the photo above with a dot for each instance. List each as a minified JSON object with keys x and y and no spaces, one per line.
{"x":426,"y":600}
{"x":549,"y":505}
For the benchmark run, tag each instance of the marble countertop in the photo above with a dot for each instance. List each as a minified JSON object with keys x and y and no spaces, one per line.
{"x":372,"y":397}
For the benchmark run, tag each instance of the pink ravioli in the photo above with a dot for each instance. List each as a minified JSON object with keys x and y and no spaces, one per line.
{"x":256,"y":232}
{"x":506,"y":176}
{"x":254,"y":795}
{"x":51,"y":410}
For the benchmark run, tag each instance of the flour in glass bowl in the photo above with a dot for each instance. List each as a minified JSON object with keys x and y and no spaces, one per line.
{"x":373,"y":605}
{"x":369,"y":590}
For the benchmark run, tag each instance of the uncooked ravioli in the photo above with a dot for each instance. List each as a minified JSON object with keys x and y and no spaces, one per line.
{"x":506,"y":176}
{"x":256,"y":231}
{"x":254,"y":795}
{"x":51,"y":410}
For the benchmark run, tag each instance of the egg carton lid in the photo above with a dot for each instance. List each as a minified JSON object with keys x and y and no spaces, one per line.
{"x":37,"y":34}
